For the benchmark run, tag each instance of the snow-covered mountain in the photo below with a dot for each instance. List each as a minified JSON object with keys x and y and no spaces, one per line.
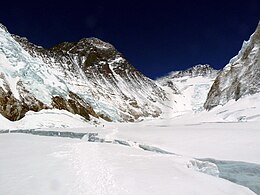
{"x":92,"y":79}
{"x":211,"y":152}
{"x":240,"y":77}
{"x":202,"y":87}
{"x":188,"y":89}
{"x":89,"y":78}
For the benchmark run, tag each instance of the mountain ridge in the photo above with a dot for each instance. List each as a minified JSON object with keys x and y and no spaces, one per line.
{"x":91,"y":78}
{"x":89,"y":75}
{"x":189,"y":88}
{"x":240,"y":77}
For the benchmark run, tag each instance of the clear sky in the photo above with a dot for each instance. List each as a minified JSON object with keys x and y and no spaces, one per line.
{"x":155,"y":36}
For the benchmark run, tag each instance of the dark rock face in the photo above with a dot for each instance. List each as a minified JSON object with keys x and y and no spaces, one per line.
{"x":97,"y":80}
{"x":74,"y":105}
{"x":240,"y":77}
{"x":10,"y":107}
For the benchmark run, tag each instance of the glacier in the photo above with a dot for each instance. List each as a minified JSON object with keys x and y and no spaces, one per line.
{"x":191,"y":132}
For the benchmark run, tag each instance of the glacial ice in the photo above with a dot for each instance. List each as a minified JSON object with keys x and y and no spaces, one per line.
{"x":242,"y":173}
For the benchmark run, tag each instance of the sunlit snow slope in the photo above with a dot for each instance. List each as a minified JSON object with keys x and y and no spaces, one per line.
{"x":188,"y":89}
{"x":90,"y":78}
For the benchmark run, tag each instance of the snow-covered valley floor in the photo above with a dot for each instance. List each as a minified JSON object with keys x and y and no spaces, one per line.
{"x":49,"y":165}
{"x":156,"y":156}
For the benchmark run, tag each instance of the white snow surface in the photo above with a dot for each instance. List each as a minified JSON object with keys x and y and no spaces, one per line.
{"x":229,"y":132}
{"x":17,"y":64}
{"x":47,"y":165}
{"x":45,"y":119}
{"x":44,"y":165}
{"x":244,"y":109}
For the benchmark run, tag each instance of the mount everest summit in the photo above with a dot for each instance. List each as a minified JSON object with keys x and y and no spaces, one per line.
{"x":89,"y":78}
{"x":92,"y":79}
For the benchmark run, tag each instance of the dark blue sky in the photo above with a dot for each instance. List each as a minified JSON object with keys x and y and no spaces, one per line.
{"x":155,"y":36}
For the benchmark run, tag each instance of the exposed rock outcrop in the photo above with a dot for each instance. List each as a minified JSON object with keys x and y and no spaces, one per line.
{"x":15,"y":109}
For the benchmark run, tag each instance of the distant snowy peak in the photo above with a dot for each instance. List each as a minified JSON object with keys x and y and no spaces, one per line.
{"x":240,"y":77}
{"x":204,"y":70}
{"x":200,"y":70}
{"x":89,"y":78}
{"x":97,"y":43}
{"x":90,"y":52}
{"x":189,"y":88}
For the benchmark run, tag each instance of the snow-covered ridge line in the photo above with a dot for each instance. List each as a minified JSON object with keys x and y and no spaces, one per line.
{"x":240,"y":77}
{"x":3,"y":28}
{"x":90,"y":78}
{"x":195,"y":71}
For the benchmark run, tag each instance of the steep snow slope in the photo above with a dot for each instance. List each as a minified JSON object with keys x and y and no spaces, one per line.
{"x":87,"y":78}
{"x":240,"y":77}
{"x":244,"y":109}
{"x":188,"y":89}
{"x":27,"y":83}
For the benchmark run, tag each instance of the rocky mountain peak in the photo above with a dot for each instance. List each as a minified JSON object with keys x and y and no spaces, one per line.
{"x":96,"y":43}
{"x":90,"y":78}
{"x":201,"y":70}
{"x":83,"y":45}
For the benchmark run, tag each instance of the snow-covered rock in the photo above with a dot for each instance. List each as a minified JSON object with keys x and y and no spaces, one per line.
{"x":240,"y":77}
{"x":89,"y":77}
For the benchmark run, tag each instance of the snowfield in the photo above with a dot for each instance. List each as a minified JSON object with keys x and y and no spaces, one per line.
{"x":43,"y":165}
{"x":156,"y":156}
{"x":45,"y":119}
